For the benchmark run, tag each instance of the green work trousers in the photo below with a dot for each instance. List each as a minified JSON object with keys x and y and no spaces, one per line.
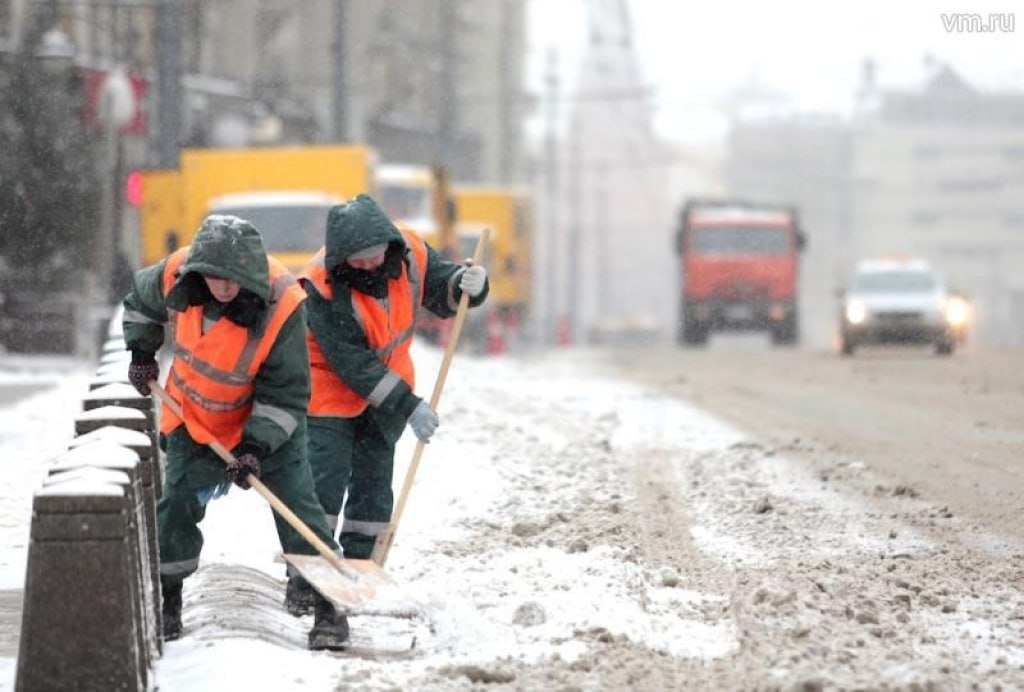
{"x":193,"y":471}
{"x":353,"y":463}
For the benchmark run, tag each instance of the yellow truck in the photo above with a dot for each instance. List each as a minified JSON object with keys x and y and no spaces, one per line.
{"x":284,"y":191}
{"x":406,"y":194}
{"x":508,"y":212}
{"x":450,"y":218}
{"x":419,"y":196}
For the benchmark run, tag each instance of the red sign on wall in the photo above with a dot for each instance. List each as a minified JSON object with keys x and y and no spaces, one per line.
{"x":93,"y":83}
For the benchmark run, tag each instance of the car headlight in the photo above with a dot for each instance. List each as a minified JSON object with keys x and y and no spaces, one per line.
{"x":957,"y":311}
{"x":856,"y":312}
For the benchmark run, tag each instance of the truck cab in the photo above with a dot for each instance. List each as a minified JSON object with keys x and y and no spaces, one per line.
{"x":507,"y":212}
{"x":284,"y":191}
{"x":739,"y":264}
{"x":293,"y":224}
{"x":406,"y":194}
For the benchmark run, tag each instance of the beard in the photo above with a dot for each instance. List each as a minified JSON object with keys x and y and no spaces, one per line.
{"x":372,"y":282}
{"x":246,"y":310}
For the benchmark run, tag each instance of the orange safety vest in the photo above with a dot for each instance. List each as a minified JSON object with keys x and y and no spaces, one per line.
{"x":212,"y":374}
{"x":388,"y":325}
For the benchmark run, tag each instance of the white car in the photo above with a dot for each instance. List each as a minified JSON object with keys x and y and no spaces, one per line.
{"x":900,"y":302}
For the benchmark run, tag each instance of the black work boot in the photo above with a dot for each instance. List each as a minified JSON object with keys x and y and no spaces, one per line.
{"x":330,"y":628}
{"x":171,"y":612}
{"x":299,"y":597}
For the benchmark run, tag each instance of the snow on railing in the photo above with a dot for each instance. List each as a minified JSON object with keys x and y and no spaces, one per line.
{"x":92,"y":613}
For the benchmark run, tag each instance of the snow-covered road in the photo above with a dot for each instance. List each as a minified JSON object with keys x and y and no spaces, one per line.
{"x":571,"y":530}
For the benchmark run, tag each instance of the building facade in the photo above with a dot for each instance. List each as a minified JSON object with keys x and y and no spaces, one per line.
{"x":423,"y":81}
{"x":935,"y":172}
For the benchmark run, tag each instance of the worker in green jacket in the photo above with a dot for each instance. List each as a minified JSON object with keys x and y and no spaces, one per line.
{"x":240,"y":374}
{"x":364,"y":289}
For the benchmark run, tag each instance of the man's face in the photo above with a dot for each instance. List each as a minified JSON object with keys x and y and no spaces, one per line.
{"x":368,"y":263}
{"x":224,"y":290}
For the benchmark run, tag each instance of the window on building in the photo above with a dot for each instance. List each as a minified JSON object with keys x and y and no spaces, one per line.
{"x":924,"y":218}
{"x":963,"y":186}
{"x":1014,"y":219}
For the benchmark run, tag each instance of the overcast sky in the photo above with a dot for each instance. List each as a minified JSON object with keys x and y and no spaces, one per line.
{"x":695,"y":54}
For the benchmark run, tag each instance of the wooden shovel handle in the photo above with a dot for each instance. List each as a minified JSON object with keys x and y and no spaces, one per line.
{"x":384,"y":540}
{"x":281,"y":508}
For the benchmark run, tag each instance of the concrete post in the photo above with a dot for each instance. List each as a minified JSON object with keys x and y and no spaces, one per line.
{"x":80,"y":622}
{"x":146,"y":626}
{"x":150,"y":483}
{"x":121,"y":416}
{"x":107,"y":456}
{"x":110,"y":378}
{"x":121,"y":394}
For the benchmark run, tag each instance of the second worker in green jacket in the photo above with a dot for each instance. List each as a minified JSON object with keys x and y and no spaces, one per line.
{"x":364,"y":289}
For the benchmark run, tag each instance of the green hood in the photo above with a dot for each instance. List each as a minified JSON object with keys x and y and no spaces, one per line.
{"x":230,"y":248}
{"x":356,"y":225}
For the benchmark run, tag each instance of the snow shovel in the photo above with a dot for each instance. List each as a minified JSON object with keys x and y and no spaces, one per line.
{"x":384,"y":539}
{"x":347,"y":583}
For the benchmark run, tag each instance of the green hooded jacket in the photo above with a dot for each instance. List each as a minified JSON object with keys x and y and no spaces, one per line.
{"x":351,"y":227}
{"x":230,"y":248}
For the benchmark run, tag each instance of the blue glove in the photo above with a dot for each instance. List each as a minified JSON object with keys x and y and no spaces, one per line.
{"x":424,"y":421}
{"x":473,"y":280}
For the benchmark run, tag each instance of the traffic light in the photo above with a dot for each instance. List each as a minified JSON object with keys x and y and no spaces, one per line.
{"x":133,"y":188}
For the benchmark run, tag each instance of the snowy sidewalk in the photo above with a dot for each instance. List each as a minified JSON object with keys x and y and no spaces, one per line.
{"x":41,"y":398}
{"x":487,"y":593}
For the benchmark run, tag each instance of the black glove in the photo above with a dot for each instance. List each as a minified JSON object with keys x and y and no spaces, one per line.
{"x":239,"y":469}
{"x":143,"y":370}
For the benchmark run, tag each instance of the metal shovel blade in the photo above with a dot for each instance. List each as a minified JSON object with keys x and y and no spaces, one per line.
{"x":364,"y":589}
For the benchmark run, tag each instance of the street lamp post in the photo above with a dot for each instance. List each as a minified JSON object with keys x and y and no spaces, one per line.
{"x":116,"y":109}
{"x":55,"y":51}
{"x":551,"y":289}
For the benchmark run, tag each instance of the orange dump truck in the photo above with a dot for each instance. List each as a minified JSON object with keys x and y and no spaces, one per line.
{"x":739,"y":265}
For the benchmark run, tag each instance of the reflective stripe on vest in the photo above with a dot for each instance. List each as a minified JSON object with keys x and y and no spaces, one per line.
{"x":388,"y":323}
{"x":212,"y":373}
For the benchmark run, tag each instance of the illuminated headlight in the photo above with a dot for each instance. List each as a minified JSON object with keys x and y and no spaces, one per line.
{"x":957,"y":311}
{"x":856,"y":312}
